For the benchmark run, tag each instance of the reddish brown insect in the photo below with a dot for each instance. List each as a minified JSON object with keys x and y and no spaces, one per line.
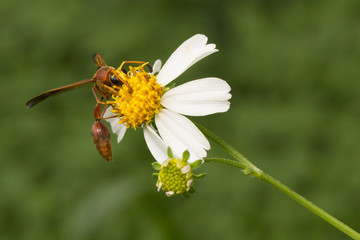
{"x":105,"y":80}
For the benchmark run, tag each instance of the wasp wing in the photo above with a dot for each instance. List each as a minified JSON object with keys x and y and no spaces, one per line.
{"x":99,"y":60}
{"x":56,"y":91}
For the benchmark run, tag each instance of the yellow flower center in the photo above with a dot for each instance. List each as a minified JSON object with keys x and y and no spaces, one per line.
{"x":139,"y":104}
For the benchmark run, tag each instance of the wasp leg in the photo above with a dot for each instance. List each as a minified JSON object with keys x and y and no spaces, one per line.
{"x":95,"y":90}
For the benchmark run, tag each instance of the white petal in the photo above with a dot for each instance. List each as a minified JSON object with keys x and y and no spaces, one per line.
{"x":198,"y":97}
{"x":108,"y":113}
{"x":181,"y":134}
{"x":157,"y":66}
{"x":155,"y":144}
{"x":118,"y":129}
{"x":189,"y":52}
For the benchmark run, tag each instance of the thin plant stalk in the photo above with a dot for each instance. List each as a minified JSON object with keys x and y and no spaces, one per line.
{"x":250,"y":169}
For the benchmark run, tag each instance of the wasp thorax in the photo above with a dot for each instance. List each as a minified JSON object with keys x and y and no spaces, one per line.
{"x":115,"y":80}
{"x":141,"y":102}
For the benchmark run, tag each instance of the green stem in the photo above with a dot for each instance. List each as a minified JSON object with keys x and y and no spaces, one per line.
{"x":225,"y":146}
{"x":230,"y":162}
{"x":250,"y":169}
{"x":312,"y":207}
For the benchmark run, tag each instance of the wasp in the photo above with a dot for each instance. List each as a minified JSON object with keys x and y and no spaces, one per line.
{"x":105,"y":81}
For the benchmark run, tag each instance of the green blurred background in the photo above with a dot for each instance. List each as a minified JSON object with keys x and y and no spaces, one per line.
{"x":294,"y":71}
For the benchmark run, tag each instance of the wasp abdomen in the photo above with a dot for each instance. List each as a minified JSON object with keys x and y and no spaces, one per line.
{"x":101,"y":138}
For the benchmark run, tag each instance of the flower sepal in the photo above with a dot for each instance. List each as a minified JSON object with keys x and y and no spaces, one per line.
{"x":186,"y":156}
{"x":196,"y":164}
{"x":187,"y":194}
{"x":170,"y":153}
{"x":200,"y":175}
{"x":156,"y":166}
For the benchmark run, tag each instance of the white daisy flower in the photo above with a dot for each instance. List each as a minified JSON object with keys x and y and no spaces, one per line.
{"x":150,"y":102}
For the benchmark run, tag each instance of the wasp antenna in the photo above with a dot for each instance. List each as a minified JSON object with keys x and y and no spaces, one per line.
{"x":32,"y":102}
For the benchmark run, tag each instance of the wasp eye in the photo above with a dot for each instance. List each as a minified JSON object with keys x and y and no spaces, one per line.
{"x":115,"y":80}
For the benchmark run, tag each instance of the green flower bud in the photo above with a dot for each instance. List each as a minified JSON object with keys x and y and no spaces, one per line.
{"x":175,"y":175}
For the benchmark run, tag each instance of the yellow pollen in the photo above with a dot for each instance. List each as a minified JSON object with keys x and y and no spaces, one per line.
{"x":139,"y":104}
